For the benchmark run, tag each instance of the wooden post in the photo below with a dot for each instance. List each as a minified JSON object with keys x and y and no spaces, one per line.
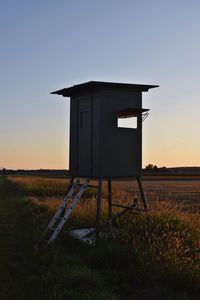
{"x":144,"y":201}
{"x":98,"y":212}
{"x":109,"y":200}
{"x":70,"y":184}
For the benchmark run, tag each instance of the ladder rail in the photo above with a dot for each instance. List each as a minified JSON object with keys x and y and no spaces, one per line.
{"x":68,"y":212}
{"x":62,"y":206}
{"x":60,"y":209}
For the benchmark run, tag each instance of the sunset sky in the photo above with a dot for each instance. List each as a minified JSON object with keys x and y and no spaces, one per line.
{"x":46,"y":45}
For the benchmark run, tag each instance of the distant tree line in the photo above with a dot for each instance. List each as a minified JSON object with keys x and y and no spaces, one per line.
{"x":5,"y":171}
{"x":152,"y":167}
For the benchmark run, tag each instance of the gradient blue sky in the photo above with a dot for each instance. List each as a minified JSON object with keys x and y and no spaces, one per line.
{"x":47,"y":45}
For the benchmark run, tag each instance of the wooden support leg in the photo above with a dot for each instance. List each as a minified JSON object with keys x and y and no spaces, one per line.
{"x":70,"y":184}
{"x":143,"y":198}
{"x":98,"y":212}
{"x":109,"y":200}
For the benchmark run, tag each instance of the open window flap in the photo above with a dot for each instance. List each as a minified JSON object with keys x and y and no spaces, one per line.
{"x":131,"y":112}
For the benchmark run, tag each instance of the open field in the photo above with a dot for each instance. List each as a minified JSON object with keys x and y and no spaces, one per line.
{"x":184,"y":190}
{"x":156,"y":255}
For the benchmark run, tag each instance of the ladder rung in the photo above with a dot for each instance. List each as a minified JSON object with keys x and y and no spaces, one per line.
{"x":81,"y":184}
{"x":58,"y":218}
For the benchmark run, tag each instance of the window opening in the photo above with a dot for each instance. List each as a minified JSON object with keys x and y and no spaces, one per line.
{"x":130,"y":122}
{"x":128,"y":118}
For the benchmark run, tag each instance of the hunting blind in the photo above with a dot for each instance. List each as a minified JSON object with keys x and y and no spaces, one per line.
{"x":105,"y":141}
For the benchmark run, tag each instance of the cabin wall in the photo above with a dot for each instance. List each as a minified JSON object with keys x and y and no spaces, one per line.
{"x":98,"y":148}
{"x":120,"y":148}
{"x":84,"y":135}
{"x":73,"y":137}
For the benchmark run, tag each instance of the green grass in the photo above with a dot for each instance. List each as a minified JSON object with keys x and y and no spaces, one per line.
{"x":57,"y":273}
{"x":156,"y":256}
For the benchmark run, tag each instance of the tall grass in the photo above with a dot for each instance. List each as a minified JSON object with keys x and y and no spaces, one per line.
{"x":41,"y":186}
{"x":157,"y":252}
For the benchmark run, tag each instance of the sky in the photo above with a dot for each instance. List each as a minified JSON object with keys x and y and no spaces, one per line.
{"x":47,"y":45}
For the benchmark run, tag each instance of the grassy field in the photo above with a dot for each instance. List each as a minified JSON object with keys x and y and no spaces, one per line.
{"x":155,"y":256}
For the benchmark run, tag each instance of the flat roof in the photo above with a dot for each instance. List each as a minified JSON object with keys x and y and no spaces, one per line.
{"x":92,"y":86}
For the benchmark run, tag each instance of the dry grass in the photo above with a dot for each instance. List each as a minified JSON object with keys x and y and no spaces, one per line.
{"x":41,"y":186}
{"x":163,"y":244}
{"x":184,"y":194}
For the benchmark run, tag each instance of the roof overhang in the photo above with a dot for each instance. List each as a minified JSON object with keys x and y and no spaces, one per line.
{"x":92,"y":86}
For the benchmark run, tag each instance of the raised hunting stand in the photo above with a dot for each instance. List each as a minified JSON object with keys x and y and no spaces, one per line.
{"x":102,"y":145}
